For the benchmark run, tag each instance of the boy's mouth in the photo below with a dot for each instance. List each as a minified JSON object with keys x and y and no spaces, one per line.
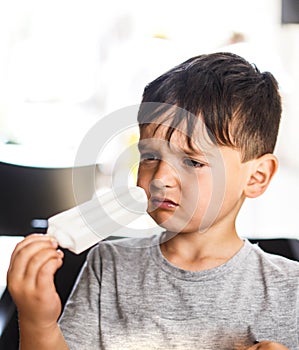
{"x":164,"y":203}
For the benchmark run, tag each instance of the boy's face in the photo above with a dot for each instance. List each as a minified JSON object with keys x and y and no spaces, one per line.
{"x":189,"y":190}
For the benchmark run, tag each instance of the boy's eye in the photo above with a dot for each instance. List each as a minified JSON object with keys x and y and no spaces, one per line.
{"x":149,"y":156}
{"x":193,"y":163}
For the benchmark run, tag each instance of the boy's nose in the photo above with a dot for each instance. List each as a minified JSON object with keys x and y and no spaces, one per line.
{"x":165,"y":176}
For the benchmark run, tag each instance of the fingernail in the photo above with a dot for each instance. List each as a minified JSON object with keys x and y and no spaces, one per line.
{"x":60,"y":253}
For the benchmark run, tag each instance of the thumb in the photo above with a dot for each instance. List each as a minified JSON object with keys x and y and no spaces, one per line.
{"x":45,"y":278}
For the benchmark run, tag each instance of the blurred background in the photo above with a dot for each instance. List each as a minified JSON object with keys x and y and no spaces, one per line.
{"x":66,"y":64}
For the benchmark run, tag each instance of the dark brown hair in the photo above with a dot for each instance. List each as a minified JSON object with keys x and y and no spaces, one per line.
{"x":239,"y":105}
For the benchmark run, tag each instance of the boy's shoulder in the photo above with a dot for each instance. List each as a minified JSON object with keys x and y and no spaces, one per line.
{"x":127,"y":245}
{"x":124,"y":254}
{"x":131,"y":242}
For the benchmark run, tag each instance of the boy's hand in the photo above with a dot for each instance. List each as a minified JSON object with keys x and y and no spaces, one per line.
{"x":268,"y":345}
{"x":30,"y":280}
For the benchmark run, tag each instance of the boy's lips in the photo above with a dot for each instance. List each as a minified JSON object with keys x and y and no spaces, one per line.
{"x":165,"y":203}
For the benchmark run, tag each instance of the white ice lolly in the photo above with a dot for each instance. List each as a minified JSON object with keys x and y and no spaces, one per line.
{"x":81,"y":227}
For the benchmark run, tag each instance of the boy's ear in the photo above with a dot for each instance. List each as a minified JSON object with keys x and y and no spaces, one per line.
{"x":262,"y":171}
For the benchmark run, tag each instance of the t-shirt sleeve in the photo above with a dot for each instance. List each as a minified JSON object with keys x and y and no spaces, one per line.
{"x":79,"y":321}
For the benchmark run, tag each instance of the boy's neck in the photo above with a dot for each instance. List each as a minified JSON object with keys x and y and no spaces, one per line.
{"x":201,"y":251}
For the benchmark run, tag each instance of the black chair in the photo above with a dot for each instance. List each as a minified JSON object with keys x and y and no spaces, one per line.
{"x":29,"y":193}
{"x":9,"y":334}
{"x":288,"y":248}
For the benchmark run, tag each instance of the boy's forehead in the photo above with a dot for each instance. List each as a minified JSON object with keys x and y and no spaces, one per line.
{"x":153,"y":130}
{"x":198,"y":141}
{"x":160,"y":131}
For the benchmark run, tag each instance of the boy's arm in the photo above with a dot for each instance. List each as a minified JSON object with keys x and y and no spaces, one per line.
{"x":33,"y":337}
{"x":268,"y":345}
{"x":30,"y":280}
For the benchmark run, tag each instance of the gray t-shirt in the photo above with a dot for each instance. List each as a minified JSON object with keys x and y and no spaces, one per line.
{"x":129,"y":296}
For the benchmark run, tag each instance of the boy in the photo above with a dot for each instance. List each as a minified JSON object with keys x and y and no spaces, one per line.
{"x":208,"y":128}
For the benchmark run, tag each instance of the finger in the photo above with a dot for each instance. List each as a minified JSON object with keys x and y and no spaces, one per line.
{"x":37,"y":261}
{"x":24,"y":253}
{"x":46,"y":273}
{"x":35,"y":237}
{"x":31,"y":241}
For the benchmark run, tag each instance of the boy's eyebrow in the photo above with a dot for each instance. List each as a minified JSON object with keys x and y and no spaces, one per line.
{"x":191,"y":152}
{"x":197,"y":152}
{"x":141,"y":146}
{"x":188,"y":151}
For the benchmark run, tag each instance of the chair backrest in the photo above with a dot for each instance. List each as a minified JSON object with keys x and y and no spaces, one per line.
{"x":28,"y":193}
{"x":288,"y":248}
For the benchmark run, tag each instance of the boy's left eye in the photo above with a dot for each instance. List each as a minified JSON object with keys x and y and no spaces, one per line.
{"x":193,"y":163}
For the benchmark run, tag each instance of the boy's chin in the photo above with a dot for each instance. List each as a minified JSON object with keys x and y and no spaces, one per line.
{"x":176,"y":226}
{"x":172,"y":225}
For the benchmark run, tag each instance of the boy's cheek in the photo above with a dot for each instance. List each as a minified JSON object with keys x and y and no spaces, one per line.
{"x":138,"y":182}
{"x":143,"y":183}
{"x":139,"y":176}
